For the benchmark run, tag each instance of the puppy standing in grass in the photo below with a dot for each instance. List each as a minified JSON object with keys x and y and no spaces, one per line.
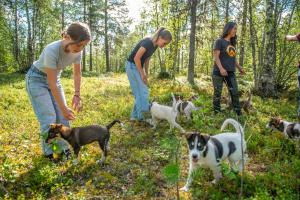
{"x":159,"y":112}
{"x":185,"y":107}
{"x":209,"y":151}
{"x":80,"y":136}
{"x":288,"y":129}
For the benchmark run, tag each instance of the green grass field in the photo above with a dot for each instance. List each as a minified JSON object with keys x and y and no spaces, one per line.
{"x":141,"y":162}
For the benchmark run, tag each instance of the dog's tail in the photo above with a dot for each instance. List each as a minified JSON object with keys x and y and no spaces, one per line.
{"x":238,"y":127}
{"x":174,"y":102}
{"x":113,"y":123}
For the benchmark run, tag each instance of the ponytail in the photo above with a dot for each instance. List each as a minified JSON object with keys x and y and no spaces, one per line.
{"x":162,"y":32}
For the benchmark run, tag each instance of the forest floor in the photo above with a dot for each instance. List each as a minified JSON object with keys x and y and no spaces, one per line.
{"x":141,"y":162}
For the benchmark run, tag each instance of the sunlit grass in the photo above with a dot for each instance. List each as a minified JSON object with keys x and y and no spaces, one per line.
{"x":134,"y":168}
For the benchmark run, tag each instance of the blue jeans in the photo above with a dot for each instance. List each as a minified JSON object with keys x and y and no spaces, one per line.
{"x":44,"y":106}
{"x":139,"y":90}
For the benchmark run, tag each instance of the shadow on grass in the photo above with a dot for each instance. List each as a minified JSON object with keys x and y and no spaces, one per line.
{"x":10,"y":78}
{"x":46,"y":178}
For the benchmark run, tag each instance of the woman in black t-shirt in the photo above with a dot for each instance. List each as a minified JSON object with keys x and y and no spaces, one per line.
{"x":224,"y":67}
{"x":137,"y":70}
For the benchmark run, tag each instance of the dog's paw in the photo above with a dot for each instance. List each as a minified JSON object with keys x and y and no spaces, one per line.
{"x":185,"y":189}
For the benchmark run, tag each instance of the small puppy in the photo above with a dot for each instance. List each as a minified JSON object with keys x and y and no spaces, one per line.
{"x":246,"y":105}
{"x":288,"y":129}
{"x":209,"y":151}
{"x":80,"y":136}
{"x":185,"y":107}
{"x":159,"y":112}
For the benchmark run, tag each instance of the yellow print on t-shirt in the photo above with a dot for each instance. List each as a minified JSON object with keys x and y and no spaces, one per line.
{"x":231,"y":51}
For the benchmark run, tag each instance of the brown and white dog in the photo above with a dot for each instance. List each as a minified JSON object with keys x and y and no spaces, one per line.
{"x":246,"y":105}
{"x":288,"y":129}
{"x":80,"y":136}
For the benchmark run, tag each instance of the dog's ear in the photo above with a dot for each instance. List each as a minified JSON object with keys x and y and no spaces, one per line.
{"x":276,"y":120}
{"x":204,"y":138}
{"x":188,"y":135}
{"x":52,"y":126}
{"x":56,"y":126}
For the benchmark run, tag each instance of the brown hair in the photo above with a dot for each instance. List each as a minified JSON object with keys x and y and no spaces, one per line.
{"x":162,"y":32}
{"x":78,"y":32}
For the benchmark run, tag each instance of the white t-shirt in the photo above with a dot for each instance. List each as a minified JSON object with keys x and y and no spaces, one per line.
{"x":54,"y":57}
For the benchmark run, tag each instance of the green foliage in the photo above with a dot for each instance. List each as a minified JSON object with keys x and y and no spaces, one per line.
{"x":141,"y":162}
{"x":171,"y":173}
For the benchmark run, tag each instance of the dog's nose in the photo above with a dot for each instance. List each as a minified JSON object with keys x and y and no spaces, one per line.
{"x":194,"y":156}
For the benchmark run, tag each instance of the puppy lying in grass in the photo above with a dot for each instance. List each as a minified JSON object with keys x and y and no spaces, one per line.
{"x":80,"y":136}
{"x":288,"y":129}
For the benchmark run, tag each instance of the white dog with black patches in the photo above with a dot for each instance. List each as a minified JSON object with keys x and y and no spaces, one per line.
{"x":209,"y":151}
{"x":288,"y":129}
{"x":162,"y":112}
{"x":186,"y":108}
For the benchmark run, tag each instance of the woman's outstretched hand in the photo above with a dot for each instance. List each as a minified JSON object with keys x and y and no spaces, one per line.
{"x":68,"y":113}
{"x":242,"y":72}
{"x":76,"y":103}
{"x":144,"y":78}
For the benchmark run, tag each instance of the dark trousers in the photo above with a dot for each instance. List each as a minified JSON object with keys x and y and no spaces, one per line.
{"x":231,"y":83}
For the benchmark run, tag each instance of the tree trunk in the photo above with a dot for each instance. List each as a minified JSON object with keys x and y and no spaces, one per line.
{"x":106,"y":37}
{"x":266,"y":84}
{"x":193,"y":4}
{"x":16,"y":35}
{"x":84,"y":52}
{"x":227,"y":11}
{"x":91,"y":42}
{"x":243,"y":34}
{"x":62,"y":15}
{"x":29,"y":36}
{"x":252,"y":43}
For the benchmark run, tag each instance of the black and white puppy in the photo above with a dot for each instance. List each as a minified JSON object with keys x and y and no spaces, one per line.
{"x":185,"y":107}
{"x":162,"y":112}
{"x":288,"y":129}
{"x":209,"y":151}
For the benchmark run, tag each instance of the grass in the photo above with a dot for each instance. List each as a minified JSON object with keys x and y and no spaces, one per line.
{"x":140,"y":158}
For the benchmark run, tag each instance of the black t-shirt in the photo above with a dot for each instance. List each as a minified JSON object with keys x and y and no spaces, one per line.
{"x":227,"y":55}
{"x":148,"y":45}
